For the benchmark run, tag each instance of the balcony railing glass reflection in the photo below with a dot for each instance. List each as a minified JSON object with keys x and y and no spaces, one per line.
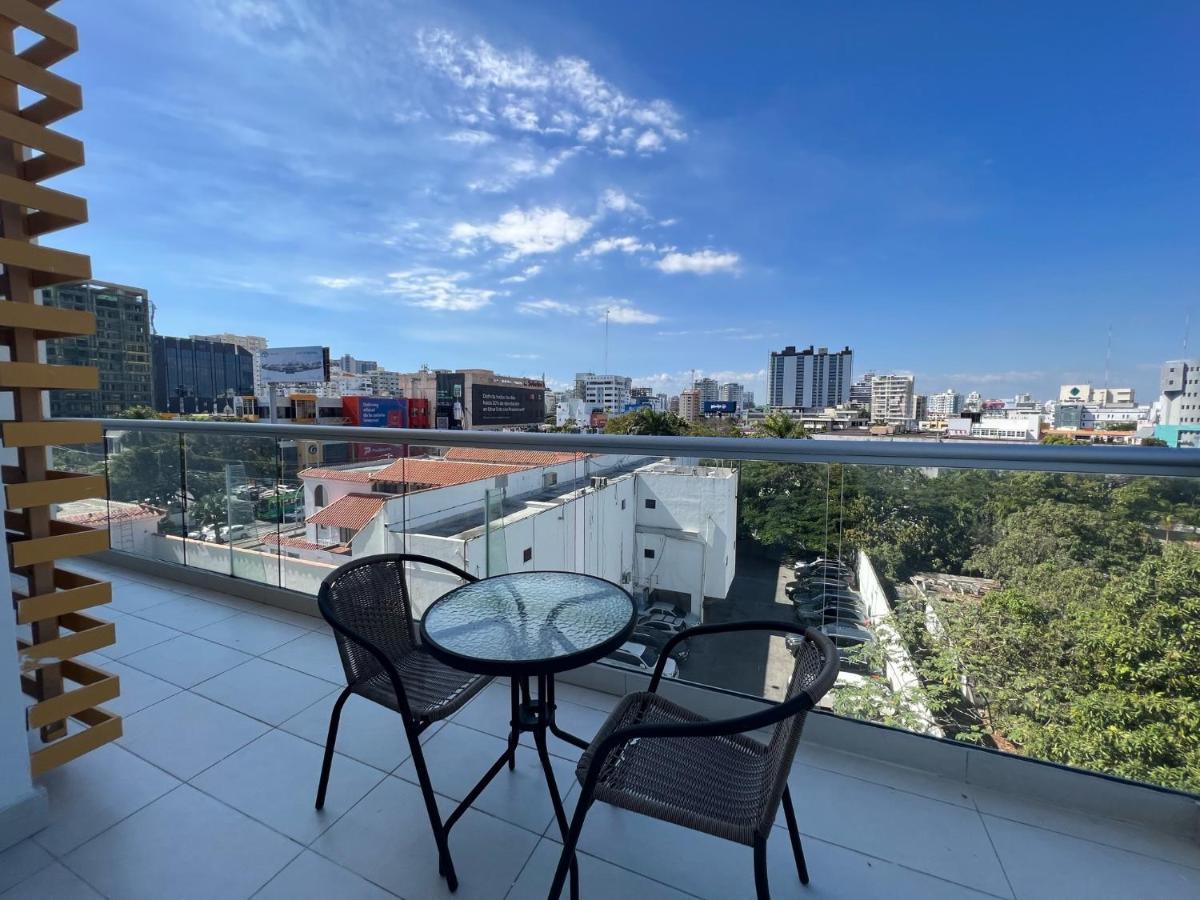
{"x":1048,"y":613}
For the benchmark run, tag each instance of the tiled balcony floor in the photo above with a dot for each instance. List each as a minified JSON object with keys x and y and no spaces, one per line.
{"x":210,"y":792}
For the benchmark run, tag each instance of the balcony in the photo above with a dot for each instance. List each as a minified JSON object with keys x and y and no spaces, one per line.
{"x":227,"y":679}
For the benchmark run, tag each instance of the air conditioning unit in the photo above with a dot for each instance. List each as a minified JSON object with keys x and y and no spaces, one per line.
{"x":599,"y":481}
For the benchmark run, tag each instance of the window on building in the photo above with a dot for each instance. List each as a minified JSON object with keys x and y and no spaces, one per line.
{"x":319,"y":497}
{"x":648,"y":553}
{"x":651,"y":504}
{"x":527,"y":556}
{"x":622,"y":504}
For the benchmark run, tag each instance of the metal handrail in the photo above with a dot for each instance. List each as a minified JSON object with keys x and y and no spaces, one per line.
{"x":955,"y":454}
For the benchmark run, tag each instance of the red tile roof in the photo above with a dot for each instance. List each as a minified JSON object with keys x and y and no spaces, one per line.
{"x":512,"y":457}
{"x":302,"y":544}
{"x":352,"y":511}
{"x":361,"y":476}
{"x":440,"y":472}
{"x":117,"y":512}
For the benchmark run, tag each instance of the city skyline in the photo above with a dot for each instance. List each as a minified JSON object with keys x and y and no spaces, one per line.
{"x":475,"y":186}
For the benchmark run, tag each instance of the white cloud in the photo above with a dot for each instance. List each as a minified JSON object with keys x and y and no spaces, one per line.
{"x":524,"y":355}
{"x":618,"y":201}
{"x":505,"y":171}
{"x":624,"y":244}
{"x":995,"y":377}
{"x":563,"y":95}
{"x":524,"y":275}
{"x":525,"y":232}
{"x":437,"y":289}
{"x":338,"y":283}
{"x":622,"y":312}
{"x":702,"y":262}
{"x":471,"y":136}
{"x":545,"y":307}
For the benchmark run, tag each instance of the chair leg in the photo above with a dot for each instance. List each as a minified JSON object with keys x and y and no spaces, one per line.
{"x":445,"y":863}
{"x":513,"y":733}
{"x":334,"y":719}
{"x":566,"y":862}
{"x":794,"y":831}
{"x":760,"y":869}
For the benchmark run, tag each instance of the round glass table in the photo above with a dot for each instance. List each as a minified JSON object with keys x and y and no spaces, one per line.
{"x":527,"y":626}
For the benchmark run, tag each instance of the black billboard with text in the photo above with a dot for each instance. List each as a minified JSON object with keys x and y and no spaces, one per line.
{"x":493,"y":405}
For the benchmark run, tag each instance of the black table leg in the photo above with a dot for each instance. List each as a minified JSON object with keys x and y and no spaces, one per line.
{"x":554,"y":729}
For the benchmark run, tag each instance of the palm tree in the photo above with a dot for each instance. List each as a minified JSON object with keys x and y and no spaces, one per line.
{"x":647,"y":421}
{"x":780,"y":425}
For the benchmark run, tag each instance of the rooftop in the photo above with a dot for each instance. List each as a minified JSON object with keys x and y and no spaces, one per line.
{"x":226,"y":701}
{"x":352,"y":511}
{"x":439,"y":472}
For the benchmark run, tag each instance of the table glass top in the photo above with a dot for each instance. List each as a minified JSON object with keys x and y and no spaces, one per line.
{"x":528,"y":616}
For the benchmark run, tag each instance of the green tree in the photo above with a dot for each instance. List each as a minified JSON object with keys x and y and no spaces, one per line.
{"x":1154,"y":442}
{"x":1057,"y":439}
{"x":139,"y":412}
{"x":647,"y":421}
{"x":779,"y":424}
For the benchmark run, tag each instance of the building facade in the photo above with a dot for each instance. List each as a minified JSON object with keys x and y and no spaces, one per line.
{"x":709,"y":390}
{"x":945,"y":404}
{"x":193,"y":375}
{"x":732,"y":392}
{"x":611,"y":392}
{"x":120,"y":348}
{"x":255,"y":344}
{"x":385,"y":383}
{"x":690,"y":405}
{"x":809,"y":379}
{"x":352,"y":366}
{"x":893,"y":399}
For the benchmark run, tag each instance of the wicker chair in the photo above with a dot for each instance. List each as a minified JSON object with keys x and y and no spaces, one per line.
{"x":367,"y":603}
{"x":660,"y":759}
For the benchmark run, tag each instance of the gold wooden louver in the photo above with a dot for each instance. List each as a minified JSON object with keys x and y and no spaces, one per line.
{"x":54,"y":602}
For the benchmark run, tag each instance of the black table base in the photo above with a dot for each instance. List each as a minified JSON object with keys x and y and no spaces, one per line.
{"x":533,"y":714}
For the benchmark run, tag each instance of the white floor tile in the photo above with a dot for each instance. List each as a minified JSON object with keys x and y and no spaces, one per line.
{"x":250,"y":633}
{"x":314,"y":654}
{"x":1047,"y":864}
{"x":186,"y":734}
{"x":133,"y":596}
{"x":573,"y":693}
{"x":312,"y":877}
{"x":1126,"y":836}
{"x":300,"y":620}
{"x":597,"y":878}
{"x":386,"y":838}
{"x":368,"y":732}
{"x":183,"y":845}
{"x":914,"y":781}
{"x":21,"y":860}
{"x":187,"y":613}
{"x":186,"y":660}
{"x":138,"y":689}
{"x":134,"y":634}
{"x":274,"y":780}
{"x":491,"y":711}
{"x":458,"y":757}
{"x":941,"y":839}
{"x":265,"y":690}
{"x":95,"y":791}
{"x":54,"y":882}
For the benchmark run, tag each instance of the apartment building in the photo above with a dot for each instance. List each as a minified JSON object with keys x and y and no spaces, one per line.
{"x":809,"y":379}
{"x":893,"y":399}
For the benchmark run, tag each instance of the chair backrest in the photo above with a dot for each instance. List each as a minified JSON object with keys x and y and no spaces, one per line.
{"x":369,"y":599}
{"x":814,"y":671}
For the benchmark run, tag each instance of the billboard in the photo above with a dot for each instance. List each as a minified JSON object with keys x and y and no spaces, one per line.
{"x":720,"y":407}
{"x":376,"y":412}
{"x":449,"y":404}
{"x":294,"y":364}
{"x":493,"y":405}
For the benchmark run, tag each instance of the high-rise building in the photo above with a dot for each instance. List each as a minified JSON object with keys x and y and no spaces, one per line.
{"x":352,"y":366}
{"x":255,"y":344}
{"x":809,"y":379}
{"x":747,"y":399}
{"x":611,"y":392}
{"x":193,"y":375}
{"x":945,"y":404}
{"x":120,"y":348}
{"x":673,"y":404}
{"x":860,"y":392}
{"x":1180,"y":401}
{"x":385,"y":383}
{"x":893,"y":400}
{"x":709,"y":390}
{"x":689,"y":405}
{"x":732,"y":392}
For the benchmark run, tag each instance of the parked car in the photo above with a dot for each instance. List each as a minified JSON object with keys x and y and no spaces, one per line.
{"x":234,"y":533}
{"x":656,"y":639}
{"x":815,"y":587}
{"x":639,"y":656}
{"x":828,"y":568}
{"x":662,"y":607}
{"x":851,"y":613}
{"x":847,"y":639}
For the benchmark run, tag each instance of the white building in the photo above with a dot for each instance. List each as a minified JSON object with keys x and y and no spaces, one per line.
{"x":709,"y":390}
{"x":644,"y":524}
{"x":1180,"y":400}
{"x":945,"y":404}
{"x":690,"y":406}
{"x":809,"y":379}
{"x":1085,"y":393}
{"x":996,"y":428}
{"x":385,"y":383}
{"x":893,"y":400}
{"x":732,"y":392}
{"x":608,"y":391}
{"x":974,"y":401}
{"x":577,"y":412}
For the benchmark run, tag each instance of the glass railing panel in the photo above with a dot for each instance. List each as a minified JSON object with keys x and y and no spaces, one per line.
{"x":145,"y":471}
{"x":234,"y":504}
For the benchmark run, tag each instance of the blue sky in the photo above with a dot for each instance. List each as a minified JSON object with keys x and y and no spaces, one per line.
{"x":973,"y":193}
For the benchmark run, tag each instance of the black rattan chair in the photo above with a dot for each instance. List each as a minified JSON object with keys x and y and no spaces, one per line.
{"x":367,"y":603}
{"x":660,"y":759}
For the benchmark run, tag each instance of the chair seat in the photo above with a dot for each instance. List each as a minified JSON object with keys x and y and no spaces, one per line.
{"x":434,"y":690}
{"x":712,"y":784}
